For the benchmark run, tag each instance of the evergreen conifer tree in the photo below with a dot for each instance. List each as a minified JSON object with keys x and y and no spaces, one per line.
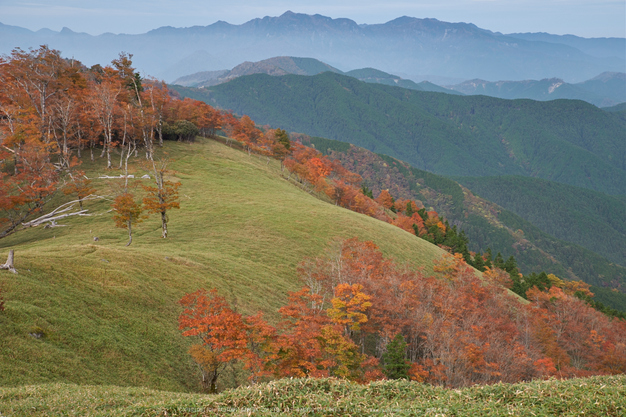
{"x":479,"y":262}
{"x":395,"y":366}
{"x":499,"y":261}
{"x":409,"y":209}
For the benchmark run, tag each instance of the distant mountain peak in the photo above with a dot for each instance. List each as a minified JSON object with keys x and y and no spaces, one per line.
{"x":300,"y":22}
{"x":277,"y":66}
{"x":608,"y":75}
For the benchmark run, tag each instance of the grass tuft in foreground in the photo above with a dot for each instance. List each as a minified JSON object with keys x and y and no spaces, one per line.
{"x":594,"y":396}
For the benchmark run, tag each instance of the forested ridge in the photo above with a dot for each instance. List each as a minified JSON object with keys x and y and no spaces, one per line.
{"x":488,"y":225}
{"x":584,"y":217}
{"x":566,"y":141}
{"x":346,"y":293}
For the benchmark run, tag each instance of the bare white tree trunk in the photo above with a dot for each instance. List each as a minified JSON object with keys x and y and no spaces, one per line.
{"x":9,"y":263}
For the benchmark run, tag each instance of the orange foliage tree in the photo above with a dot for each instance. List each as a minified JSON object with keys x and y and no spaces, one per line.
{"x":310,"y":345}
{"x":164,"y":196}
{"x":33,"y":184}
{"x":127,"y":213}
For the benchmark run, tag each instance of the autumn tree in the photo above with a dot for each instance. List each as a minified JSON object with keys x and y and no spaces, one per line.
{"x":30,"y":82}
{"x":34,"y":79}
{"x":127,"y":213}
{"x":156,"y":94}
{"x":311,"y":344}
{"x":221,"y":333}
{"x":579,"y":340}
{"x":50,"y":108}
{"x":385,"y":199}
{"x":106,"y":108}
{"x":27,"y":191}
{"x":349,"y":306}
{"x":458,"y":330}
{"x":164,"y":196}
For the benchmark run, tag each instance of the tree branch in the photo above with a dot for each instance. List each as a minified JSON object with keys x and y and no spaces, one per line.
{"x":61,"y":212}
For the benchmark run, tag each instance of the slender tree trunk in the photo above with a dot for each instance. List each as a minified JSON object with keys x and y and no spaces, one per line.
{"x":160,"y":130}
{"x":213,"y":383}
{"x":130,"y":234}
{"x":124,"y":144}
{"x":109,"y":166}
{"x":164,"y":224}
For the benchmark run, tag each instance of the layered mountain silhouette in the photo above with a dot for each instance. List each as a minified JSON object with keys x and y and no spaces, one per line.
{"x":284,"y":65}
{"x":607,"y":89}
{"x":418,"y":49}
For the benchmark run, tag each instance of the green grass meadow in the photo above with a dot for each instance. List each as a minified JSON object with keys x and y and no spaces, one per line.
{"x":99,"y":313}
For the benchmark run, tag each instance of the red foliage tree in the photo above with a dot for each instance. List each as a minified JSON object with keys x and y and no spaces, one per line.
{"x":580,"y":340}
{"x":222,"y":333}
{"x":459,"y":329}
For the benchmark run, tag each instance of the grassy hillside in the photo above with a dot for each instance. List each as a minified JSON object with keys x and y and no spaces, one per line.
{"x":96,"y":312}
{"x":597,"y":396}
{"x":565,"y":141}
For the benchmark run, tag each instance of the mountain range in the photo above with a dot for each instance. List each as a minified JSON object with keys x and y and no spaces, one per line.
{"x":543,"y":181}
{"x":417,"y":49}
{"x":607,"y":89}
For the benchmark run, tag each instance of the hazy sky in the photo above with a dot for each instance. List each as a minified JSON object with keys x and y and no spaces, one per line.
{"x":587,"y":18}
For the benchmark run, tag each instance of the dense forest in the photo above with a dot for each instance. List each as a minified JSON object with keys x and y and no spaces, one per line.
{"x":488,"y":225}
{"x":599,"y":219}
{"x":362,"y":317}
